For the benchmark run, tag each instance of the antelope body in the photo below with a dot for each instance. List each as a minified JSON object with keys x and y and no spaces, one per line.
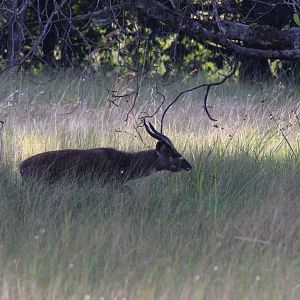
{"x":107,"y":164}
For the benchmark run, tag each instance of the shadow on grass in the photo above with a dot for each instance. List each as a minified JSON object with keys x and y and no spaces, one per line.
{"x":229,"y":208}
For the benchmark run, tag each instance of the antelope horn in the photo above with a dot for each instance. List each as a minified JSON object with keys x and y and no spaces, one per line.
{"x":155,"y":134}
{"x":163,"y":137}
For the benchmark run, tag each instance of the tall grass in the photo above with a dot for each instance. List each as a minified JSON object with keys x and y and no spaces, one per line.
{"x":229,"y":229}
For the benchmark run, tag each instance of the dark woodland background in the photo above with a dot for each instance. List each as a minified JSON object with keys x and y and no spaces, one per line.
{"x":158,"y":37}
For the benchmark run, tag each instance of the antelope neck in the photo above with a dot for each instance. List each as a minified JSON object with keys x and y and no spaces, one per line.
{"x":143,"y":162}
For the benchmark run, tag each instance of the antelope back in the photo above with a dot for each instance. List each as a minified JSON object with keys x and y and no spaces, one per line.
{"x":107,"y":164}
{"x":73,"y":163}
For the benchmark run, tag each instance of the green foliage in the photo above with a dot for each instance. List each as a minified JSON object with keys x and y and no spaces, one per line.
{"x":94,"y":46}
{"x":296,"y":19}
{"x":133,"y":42}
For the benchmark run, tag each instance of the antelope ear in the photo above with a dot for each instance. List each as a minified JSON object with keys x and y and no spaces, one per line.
{"x":160,"y":147}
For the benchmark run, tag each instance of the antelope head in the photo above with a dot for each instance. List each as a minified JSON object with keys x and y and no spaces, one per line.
{"x":168,"y":157}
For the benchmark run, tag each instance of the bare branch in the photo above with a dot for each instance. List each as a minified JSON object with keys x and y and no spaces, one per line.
{"x":72,"y":111}
{"x":208,"y":86}
{"x":217,"y":16}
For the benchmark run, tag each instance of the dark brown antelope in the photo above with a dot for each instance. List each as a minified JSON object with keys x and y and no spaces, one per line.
{"x":107,"y":164}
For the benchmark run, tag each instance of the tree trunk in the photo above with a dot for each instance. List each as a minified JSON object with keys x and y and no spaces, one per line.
{"x":15,"y":34}
{"x":50,"y":39}
{"x":254,"y":69}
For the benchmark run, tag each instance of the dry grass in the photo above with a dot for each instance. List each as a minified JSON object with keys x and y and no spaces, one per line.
{"x":229,"y":229}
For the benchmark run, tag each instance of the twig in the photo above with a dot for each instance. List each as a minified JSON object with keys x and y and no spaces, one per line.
{"x":158,"y":108}
{"x":253,"y":240}
{"x":72,"y":111}
{"x":217,"y":16}
{"x":283,"y":134}
{"x":208,"y":86}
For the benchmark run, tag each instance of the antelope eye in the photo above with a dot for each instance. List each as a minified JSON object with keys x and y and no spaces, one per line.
{"x":171,"y":158}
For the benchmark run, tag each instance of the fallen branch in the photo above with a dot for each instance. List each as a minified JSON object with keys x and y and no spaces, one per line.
{"x":252,"y":240}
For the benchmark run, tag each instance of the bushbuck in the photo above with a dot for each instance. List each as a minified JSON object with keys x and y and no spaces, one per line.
{"x":107,"y":164}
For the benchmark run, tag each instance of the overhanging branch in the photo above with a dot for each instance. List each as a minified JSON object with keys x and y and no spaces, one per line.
{"x":262,"y":42}
{"x":208,"y":87}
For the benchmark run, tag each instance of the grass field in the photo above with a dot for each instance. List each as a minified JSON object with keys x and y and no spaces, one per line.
{"x":229,"y":229}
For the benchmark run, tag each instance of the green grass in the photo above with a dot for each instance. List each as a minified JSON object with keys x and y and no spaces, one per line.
{"x":229,"y":229}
